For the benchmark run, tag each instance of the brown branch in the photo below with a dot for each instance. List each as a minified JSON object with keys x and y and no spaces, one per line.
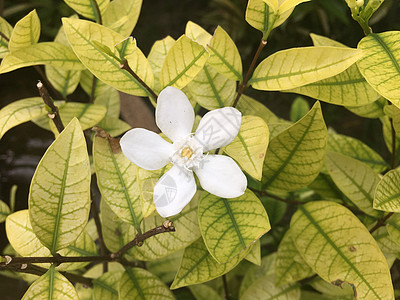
{"x":103,"y":249}
{"x":226,"y":290}
{"x":55,"y":116}
{"x":381,"y":222}
{"x":48,"y":83}
{"x":93,"y":90}
{"x":4,"y":36}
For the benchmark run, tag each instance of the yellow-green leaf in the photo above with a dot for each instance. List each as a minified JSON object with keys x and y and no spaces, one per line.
{"x":372,"y":110}
{"x":138,"y":283}
{"x":342,"y":292}
{"x":212,"y":90}
{"x":64,"y":81}
{"x":183,"y":62}
{"x":156,"y":58}
{"x":355,"y":179}
{"x":295,"y":156}
{"x":249,"y":106}
{"x":387,"y":193}
{"x":380,"y":64}
{"x":283,"y":6}
{"x":289,"y":265}
{"x":265,"y":288}
{"x":114,"y":126}
{"x":288,"y":69}
{"x":166,"y":267}
{"x":203,"y":268}
{"x":122,"y":15}
{"x":229,"y":226}
{"x":224,"y":56}
{"x":393,"y":228}
{"x":254,"y":255}
{"x":356,"y":149}
{"x":204,"y":292}
{"x":6,"y":29}
{"x":340,"y":249}
{"x":4,"y":211}
{"x":320,"y":40}
{"x":85,"y":38}
{"x":47,"y":53}
{"x":106,"y":286}
{"x":387,"y":135}
{"x":117,"y":179}
{"x":59,"y":197}
{"x":250,"y":145}
{"x":388,"y":246}
{"x":197,"y":33}
{"x":299,"y":109}
{"x":51,"y":286}
{"x":91,"y":9}
{"x":325,"y":187}
{"x":19,"y":112}
{"x":26,"y":32}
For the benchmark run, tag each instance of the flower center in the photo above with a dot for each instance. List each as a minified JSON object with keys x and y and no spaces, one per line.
{"x":187,"y":152}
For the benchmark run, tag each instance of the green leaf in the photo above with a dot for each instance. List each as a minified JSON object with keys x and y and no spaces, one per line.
{"x":342,"y":292}
{"x":224,"y":56}
{"x":183,"y":62}
{"x":355,"y":179}
{"x":356,"y":149}
{"x":254,"y":255}
{"x":187,"y":231}
{"x":387,"y":135}
{"x":122,"y":15}
{"x":212,"y":90}
{"x":138,"y":283}
{"x":204,"y":292}
{"x":4,"y":211}
{"x":387,"y":193}
{"x":249,"y":106}
{"x":116,"y":178}
{"x":47,"y":53}
{"x":85,"y":38}
{"x":299,"y":109}
{"x":393,"y":228}
{"x":197,"y":33}
{"x":289,"y":265}
{"x":250,"y":145}
{"x":59,"y":197}
{"x":51,"y":285}
{"x":26,"y":32}
{"x":372,"y":110}
{"x":276,"y":209}
{"x":389,"y":248}
{"x":295,"y":156}
{"x":325,"y":187}
{"x":106,"y":286}
{"x":19,"y":112}
{"x":380,"y":64}
{"x":288,"y":69}
{"x":91,"y":9}
{"x":319,"y":40}
{"x":318,"y":230}
{"x":229,"y":226}
{"x":265,"y":288}
{"x":114,"y":126}
{"x":64,"y":81}
{"x":156,"y":58}
{"x":198,"y":266}
{"x":6,"y":29}
{"x":166,"y":267}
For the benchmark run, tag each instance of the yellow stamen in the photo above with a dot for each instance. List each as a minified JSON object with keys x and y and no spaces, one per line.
{"x":187,"y":152}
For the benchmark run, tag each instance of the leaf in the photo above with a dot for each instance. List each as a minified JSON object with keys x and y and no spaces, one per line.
{"x":91,"y":9}
{"x":204,"y":292}
{"x":380,"y":63}
{"x":26,"y":32}
{"x":249,"y":106}
{"x":116,"y":178}
{"x":393,"y":228}
{"x":4,"y":211}
{"x":166,"y":267}
{"x":343,"y":292}
{"x":387,"y":135}
{"x":183,"y":62}
{"x":276,"y":209}
{"x":122,"y":15}
{"x":229,"y":226}
{"x":19,"y":112}
{"x":250,"y":145}
{"x":289,"y":265}
{"x":138,"y":283}
{"x":64,"y":81}
{"x":318,"y":230}
{"x":196,"y":33}
{"x":198,"y":266}
{"x":319,"y":40}
{"x":114,"y":126}
{"x":288,"y":69}
{"x":212,"y":90}
{"x":299,"y":109}
{"x":224,"y":55}
{"x":265,"y":288}
{"x":59,"y":197}
{"x":372,"y":110}
{"x":6,"y":29}
{"x":387,"y":193}
{"x":85,"y":38}
{"x":254,"y":255}
{"x":388,"y":246}
{"x":295,"y":156}
{"x":47,"y":53}
{"x":355,"y":179}
{"x":356,"y":149}
{"x":106,"y":286}
{"x":156,"y":58}
{"x":325,"y":187}
{"x":51,"y":285}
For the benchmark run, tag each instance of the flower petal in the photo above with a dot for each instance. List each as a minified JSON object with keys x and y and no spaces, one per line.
{"x":173,"y":191}
{"x":174,"y":113}
{"x":218,"y":128}
{"x":221,"y":176}
{"x":146,"y":148}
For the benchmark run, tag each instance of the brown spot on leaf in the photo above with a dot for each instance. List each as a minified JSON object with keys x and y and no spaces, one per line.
{"x":117,"y":232}
{"x":339,"y":282}
{"x":114,"y":143}
{"x":352,"y":248}
{"x":261,"y":155}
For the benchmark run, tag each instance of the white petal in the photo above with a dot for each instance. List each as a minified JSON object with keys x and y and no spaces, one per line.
{"x":221,"y":176}
{"x":146,"y":148}
{"x":173,"y":191}
{"x":174,"y":113}
{"x":218,"y":128}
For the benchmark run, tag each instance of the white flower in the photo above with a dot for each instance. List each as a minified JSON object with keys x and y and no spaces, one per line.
{"x":218,"y":174}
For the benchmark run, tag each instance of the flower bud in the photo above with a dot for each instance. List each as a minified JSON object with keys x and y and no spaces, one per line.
{"x":359,"y":3}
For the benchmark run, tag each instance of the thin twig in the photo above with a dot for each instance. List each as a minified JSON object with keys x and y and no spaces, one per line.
{"x":243,"y":86}
{"x":93,"y":90}
{"x":55,"y":116}
{"x":48,"y":83}
{"x":98,"y":12}
{"x":103,"y":249}
{"x":381,"y":222}
{"x":4,"y":36}
{"x":226,"y":290}
{"x":393,"y":160}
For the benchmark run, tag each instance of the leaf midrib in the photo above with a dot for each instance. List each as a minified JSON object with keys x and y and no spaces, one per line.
{"x":387,"y":50}
{"x":135,"y":283}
